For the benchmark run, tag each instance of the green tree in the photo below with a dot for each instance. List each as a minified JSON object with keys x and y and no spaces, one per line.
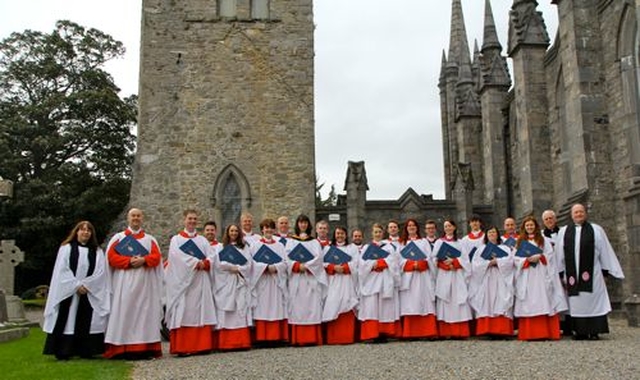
{"x":65,"y":140}
{"x":332,"y":197}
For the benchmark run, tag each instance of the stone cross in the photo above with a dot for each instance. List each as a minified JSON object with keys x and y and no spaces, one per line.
{"x":10,"y":257}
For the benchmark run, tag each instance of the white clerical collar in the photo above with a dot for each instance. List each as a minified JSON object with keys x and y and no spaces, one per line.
{"x":190,"y":233}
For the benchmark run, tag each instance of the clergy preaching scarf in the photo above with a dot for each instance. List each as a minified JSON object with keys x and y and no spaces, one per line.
{"x":580,"y":280}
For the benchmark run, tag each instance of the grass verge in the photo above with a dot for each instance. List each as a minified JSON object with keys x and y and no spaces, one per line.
{"x":22,"y":359}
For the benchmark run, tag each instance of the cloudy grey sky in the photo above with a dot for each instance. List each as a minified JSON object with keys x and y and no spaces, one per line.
{"x":376,"y":73}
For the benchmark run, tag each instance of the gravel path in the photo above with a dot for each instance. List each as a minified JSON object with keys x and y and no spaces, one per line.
{"x":615,"y":356}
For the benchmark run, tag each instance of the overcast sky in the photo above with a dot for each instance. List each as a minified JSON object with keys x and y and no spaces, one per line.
{"x":376,"y":73}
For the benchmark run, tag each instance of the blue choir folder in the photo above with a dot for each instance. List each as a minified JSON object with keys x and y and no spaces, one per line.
{"x":527,"y":249}
{"x":300,"y":254}
{"x":491,"y":250}
{"x":231,"y":255}
{"x":129,"y":246}
{"x":412,"y":252}
{"x":447,"y":251}
{"x":510,"y":242}
{"x":191,"y":249}
{"x":374,"y":252}
{"x":267,"y":256}
{"x":336,"y":256}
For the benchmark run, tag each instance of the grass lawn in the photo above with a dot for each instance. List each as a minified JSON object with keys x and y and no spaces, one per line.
{"x":22,"y":359}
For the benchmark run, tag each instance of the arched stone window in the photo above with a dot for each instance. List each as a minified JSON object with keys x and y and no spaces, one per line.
{"x":231,"y":195}
{"x":628,"y":55}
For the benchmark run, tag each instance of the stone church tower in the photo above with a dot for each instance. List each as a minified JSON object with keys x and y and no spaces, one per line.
{"x":567,"y":130}
{"x":226,"y":111}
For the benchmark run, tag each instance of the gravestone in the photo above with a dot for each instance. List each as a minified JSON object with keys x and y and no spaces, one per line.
{"x":10,"y":257}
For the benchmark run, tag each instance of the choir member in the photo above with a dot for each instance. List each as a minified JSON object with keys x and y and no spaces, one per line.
{"x":431,"y":233}
{"x":282,"y":233}
{"x":475,"y":238}
{"x":491,"y":290}
{"x":307,"y":283}
{"x":550,"y":231}
{"x":539,"y":293}
{"x":246,"y":222}
{"x":75,"y":315}
{"x":357,"y":239}
{"x":190,"y":310}
{"x":339,"y":311}
{"x":417,"y":286}
{"x":269,"y":288}
{"x":452,"y":306}
{"x":322,"y":233}
{"x":133,"y":331}
{"x":378,"y":281}
{"x":232,"y":292}
{"x":210,"y":232}
{"x":510,"y":229}
{"x":393,"y":232}
{"x":587,"y":258}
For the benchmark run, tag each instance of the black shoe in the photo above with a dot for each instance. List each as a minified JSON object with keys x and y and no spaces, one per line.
{"x":580,"y":337}
{"x":594,"y":337}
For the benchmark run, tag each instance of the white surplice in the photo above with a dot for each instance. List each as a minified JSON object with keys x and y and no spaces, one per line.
{"x":306,"y":290}
{"x":269,"y":290}
{"x":189,"y":292}
{"x":491,"y":291}
{"x":597,"y":302}
{"x":538,"y":290}
{"x":136,"y":304}
{"x":232,"y":291}
{"x":64,"y":284}
{"x":379,"y":299}
{"x":417,"y":289}
{"x":452,"y":304}
{"x":341,"y":294}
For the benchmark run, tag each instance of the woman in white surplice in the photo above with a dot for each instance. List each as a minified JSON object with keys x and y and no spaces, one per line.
{"x":269,"y":288}
{"x":491,"y":290}
{"x":232,"y":294}
{"x":340,"y":304}
{"x":378,"y":281}
{"x":75,"y":316}
{"x":307,"y":284}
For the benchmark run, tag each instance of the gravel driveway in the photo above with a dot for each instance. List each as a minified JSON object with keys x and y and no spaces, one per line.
{"x":615,"y":356}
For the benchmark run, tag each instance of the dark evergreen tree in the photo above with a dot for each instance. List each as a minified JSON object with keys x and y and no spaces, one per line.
{"x":65,"y":140}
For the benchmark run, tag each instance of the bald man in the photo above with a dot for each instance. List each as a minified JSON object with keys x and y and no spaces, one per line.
{"x":587,"y":258}
{"x":133,"y":330}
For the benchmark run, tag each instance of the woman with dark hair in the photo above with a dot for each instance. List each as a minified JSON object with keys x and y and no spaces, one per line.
{"x":539,"y":293}
{"x":378,"y":279}
{"x":491,"y":289}
{"x":417,"y":282}
{"x":339,"y":312}
{"x":307,"y":281}
{"x":454,"y":270}
{"x":231,"y":291}
{"x":75,"y":316}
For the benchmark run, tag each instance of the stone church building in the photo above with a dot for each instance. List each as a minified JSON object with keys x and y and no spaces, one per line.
{"x":226,"y":119}
{"x":566,"y":130}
